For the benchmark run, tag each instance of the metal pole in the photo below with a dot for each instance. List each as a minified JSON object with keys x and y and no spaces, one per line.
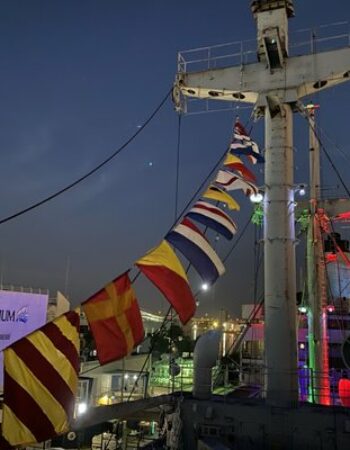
{"x":317,"y":293}
{"x":279,"y":244}
{"x":313,"y":314}
{"x":311,"y":295}
{"x":314,"y":160}
{"x":123,"y":381}
{"x":321,"y":350}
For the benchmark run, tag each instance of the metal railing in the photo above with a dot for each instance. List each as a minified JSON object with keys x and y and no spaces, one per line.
{"x":217,"y":56}
{"x":319,"y":39}
{"x":181,"y":382}
{"x":311,"y":386}
{"x":239,"y":53}
{"x":301,"y":42}
{"x":28,"y":290}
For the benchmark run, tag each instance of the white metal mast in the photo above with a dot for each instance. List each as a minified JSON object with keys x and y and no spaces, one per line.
{"x":275,"y":84}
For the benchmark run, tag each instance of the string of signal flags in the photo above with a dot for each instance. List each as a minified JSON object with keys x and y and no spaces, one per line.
{"x":41,"y":370}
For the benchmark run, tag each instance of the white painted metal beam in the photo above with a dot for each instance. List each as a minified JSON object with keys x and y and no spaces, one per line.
{"x":279,"y":256}
{"x":302,"y":75}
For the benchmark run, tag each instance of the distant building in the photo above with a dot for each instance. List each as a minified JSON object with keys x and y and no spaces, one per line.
{"x":113,"y":382}
{"x":116,"y":381}
{"x":24,"y":310}
{"x":57,"y":306}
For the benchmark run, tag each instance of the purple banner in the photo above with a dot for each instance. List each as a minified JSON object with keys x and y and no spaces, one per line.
{"x":20,"y":314}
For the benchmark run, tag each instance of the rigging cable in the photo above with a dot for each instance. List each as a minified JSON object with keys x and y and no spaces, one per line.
{"x":92,"y":171}
{"x":194,"y":196}
{"x":334,"y":144}
{"x":158,"y":332}
{"x":341,"y":322}
{"x":205,"y":181}
{"x":191,"y":200}
{"x":334,"y":167}
{"x":165,"y":320}
{"x":160,"y":329}
{"x":239,"y":237}
{"x":257,"y":306}
{"x":216,"y":204}
{"x":177,"y":175}
{"x":177,"y":165}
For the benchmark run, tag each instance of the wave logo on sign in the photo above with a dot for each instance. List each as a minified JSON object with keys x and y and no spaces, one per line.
{"x":22,"y":315}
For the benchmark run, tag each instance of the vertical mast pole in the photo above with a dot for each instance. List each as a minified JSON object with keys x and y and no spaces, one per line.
{"x":314,"y":161}
{"x":279,"y":228}
{"x":275,"y":83}
{"x":279,"y":246}
{"x":316,"y":281}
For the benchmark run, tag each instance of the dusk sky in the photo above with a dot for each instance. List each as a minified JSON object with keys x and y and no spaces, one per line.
{"x":77,"y":79}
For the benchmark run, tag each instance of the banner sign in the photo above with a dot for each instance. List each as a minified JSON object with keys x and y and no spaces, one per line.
{"x":20,"y":314}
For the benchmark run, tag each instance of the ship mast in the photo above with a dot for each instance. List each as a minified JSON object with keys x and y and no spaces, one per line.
{"x":316,"y":280}
{"x":275,"y":84}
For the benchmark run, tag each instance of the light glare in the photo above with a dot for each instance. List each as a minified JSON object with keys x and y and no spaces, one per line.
{"x":205,"y":286}
{"x":82,"y":408}
{"x":330,"y":308}
{"x":256,"y":198}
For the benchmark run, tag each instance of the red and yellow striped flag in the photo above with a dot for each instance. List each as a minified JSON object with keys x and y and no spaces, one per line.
{"x":40,"y":382}
{"x":115,"y":320}
{"x":163,"y":268}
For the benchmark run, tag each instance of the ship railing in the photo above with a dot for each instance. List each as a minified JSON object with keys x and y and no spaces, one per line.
{"x":113,"y":396}
{"x":181,"y":383}
{"x":312,"y":385}
{"x":301,"y":42}
{"x":240,"y":53}
{"x":322,"y":38}
{"x":217,"y":56}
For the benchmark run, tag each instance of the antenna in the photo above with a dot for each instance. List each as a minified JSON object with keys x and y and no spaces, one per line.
{"x":66,"y":278}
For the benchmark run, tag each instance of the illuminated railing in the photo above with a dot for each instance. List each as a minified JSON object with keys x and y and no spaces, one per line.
{"x":151,"y":317}
{"x":310,"y":386}
{"x":114,"y":396}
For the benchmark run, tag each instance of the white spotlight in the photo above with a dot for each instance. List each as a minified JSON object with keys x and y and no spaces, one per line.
{"x":205,"y":286}
{"x":301,"y":189}
{"x":82,"y":408}
{"x":256,"y":198}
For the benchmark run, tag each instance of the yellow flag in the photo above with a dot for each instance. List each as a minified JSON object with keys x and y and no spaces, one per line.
{"x":214,"y":193}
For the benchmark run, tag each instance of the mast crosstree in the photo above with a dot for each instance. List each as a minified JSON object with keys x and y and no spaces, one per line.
{"x":275,"y":84}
